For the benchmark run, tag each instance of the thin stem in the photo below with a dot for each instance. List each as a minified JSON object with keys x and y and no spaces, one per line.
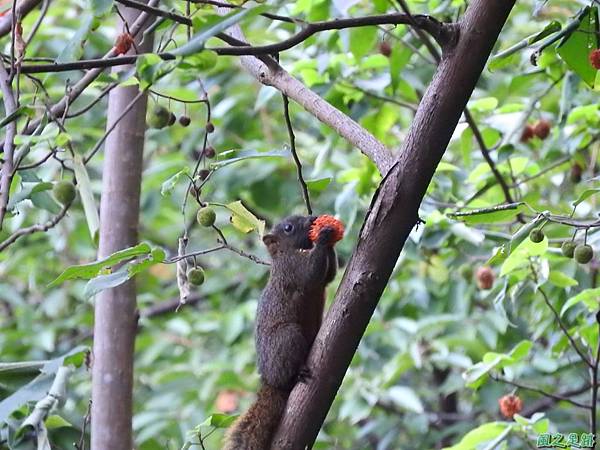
{"x":556,"y":397}
{"x":486,"y":155}
{"x":34,"y":228}
{"x":113,"y":126}
{"x":288,"y":122}
{"x":10,"y":106}
{"x":594,"y":381}
{"x":564,"y":328}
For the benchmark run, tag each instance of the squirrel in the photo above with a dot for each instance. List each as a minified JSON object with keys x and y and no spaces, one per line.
{"x":288,"y":318}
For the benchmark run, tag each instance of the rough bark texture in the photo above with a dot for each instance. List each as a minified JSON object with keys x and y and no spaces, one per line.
{"x":390,"y":219}
{"x":115,"y":321}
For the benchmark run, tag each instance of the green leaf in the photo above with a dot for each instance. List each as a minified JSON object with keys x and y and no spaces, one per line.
{"x":107,"y":281}
{"x":62,"y":139}
{"x":585,"y":195}
{"x":20,"y":111}
{"x":73,"y":48}
{"x":405,"y":398}
{"x":589,"y":297}
{"x":319,"y":184}
{"x":398,"y":60}
{"x":576,"y":46}
{"x":214,"y":26}
{"x":205,"y":60}
{"x":508,"y":56}
{"x":244,"y":220}
{"x":168,"y":186}
{"x":483,"y":433}
{"x":484,"y":104}
{"x":494,"y":214}
{"x":55,"y":421}
{"x":101,"y":7}
{"x":88,"y":271}
{"x":150,"y":68}
{"x":561,"y":280}
{"x":233,"y":156}
{"x":520,"y":256}
{"x":362,"y":40}
{"x":219,"y":420}
{"x":87,"y":197}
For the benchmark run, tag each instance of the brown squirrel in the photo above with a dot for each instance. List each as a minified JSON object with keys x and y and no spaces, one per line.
{"x":289,"y":315}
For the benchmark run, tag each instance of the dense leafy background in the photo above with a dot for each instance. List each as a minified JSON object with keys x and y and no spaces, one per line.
{"x":433,"y":323}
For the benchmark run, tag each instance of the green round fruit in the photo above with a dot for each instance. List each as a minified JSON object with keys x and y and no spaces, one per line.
{"x":64,"y":192}
{"x":159,"y":117}
{"x":196,"y":276}
{"x":583,"y":253}
{"x":536,"y":235}
{"x":206,"y":216}
{"x":568,"y":249}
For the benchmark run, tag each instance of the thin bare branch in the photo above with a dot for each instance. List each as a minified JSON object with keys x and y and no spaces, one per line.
{"x":10,"y":106}
{"x":288,"y":122}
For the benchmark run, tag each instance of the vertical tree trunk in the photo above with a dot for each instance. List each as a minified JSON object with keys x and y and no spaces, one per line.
{"x":115,"y":309}
{"x":391,"y":217}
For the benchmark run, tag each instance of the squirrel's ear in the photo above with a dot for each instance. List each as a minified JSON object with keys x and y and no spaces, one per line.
{"x":270,"y":239}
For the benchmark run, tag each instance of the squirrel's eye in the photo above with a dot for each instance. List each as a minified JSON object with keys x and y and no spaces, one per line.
{"x":288,"y":228}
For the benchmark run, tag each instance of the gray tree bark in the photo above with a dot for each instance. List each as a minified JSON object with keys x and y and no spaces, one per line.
{"x":115,"y":319}
{"x":391,"y":217}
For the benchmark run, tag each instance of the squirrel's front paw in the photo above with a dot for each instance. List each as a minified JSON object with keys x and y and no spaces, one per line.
{"x":326,"y":235}
{"x":304,"y":375}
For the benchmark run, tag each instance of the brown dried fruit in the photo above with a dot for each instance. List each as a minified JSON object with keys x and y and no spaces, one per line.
{"x":385,"y":48}
{"x":510,"y":405}
{"x":527,"y":133}
{"x":595,"y":59}
{"x":485,"y":277}
{"x":123,"y":43}
{"x":542,"y":129}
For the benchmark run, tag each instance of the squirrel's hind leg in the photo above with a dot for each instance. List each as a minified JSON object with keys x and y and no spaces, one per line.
{"x":280,"y":364}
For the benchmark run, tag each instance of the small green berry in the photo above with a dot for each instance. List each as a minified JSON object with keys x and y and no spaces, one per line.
{"x":568,"y":249}
{"x":64,"y":192}
{"x":583,"y":253}
{"x":536,"y":235}
{"x":196,"y":276}
{"x":159,"y":117}
{"x":206,"y":216}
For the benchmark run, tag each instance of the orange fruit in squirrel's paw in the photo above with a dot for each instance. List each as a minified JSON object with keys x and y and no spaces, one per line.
{"x":326,"y":221}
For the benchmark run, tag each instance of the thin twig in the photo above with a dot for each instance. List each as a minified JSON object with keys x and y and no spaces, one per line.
{"x":556,"y":397}
{"x":594,"y":381}
{"x":563,"y":327}
{"x":35,"y":228}
{"x":288,"y":122}
{"x":10,"y":106}
{"x":113,"y":126}
{"x":486,"y":155}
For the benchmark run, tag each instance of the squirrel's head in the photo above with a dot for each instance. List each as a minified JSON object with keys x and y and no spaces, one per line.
{"x":290,"y":234}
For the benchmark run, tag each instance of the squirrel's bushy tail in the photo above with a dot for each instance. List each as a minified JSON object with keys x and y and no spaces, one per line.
{"x":254,"y":429}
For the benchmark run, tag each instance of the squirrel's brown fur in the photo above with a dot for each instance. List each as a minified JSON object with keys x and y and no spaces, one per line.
{"x":288,"y":319}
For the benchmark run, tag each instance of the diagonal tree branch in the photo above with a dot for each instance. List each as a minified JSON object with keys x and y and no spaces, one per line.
{"x":275,"y":76}
{"x":389,"y":220}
